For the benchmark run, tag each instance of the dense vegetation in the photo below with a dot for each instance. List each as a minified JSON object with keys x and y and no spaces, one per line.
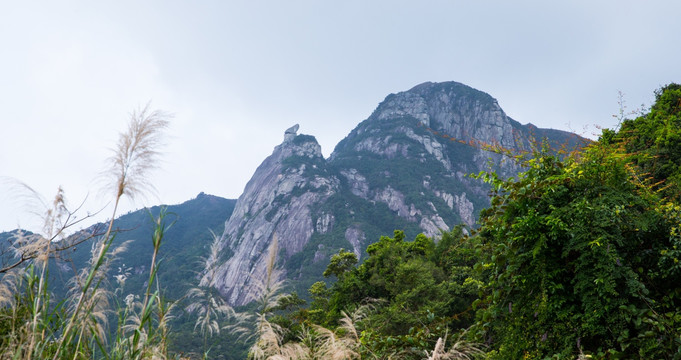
{"x":37,"y":326}
{"x":580,"y":254}
{"x":183,"y":247}
{"x":577,"y":257}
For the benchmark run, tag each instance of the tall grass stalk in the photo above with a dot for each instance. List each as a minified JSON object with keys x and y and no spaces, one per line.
{"x":37,"y":327}
{"x":52,"y":218}
{"x":203,"y":300}
{"x":461,"y":349}
{"x":135,"y":155}
{"x":269,"y":336}
{"x":162,"y":308}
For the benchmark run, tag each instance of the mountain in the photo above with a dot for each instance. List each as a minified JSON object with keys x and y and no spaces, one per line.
{"x":8,"y":240}
{"x":405,"y":167}
{"x":183,"y":246}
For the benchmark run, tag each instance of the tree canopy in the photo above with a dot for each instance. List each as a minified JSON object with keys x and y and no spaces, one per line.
{"x":577,"y":256}
{"x":581,"y":253}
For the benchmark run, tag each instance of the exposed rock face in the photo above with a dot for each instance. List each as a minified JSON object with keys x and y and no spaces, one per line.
{"x":291,"y":133}
{"x":324,"y":223}
{"x":455,"y":109}
{"x":431,"y":145}
{"x":432,"y":225}
{"x":358,"y":183}
{"x":356,"y":238}
{"x":403,"y":168}
{"x":276,"y":200}
{"x":460,"y":113}
{"x":465,"y":209}
{"x":395,"y":201}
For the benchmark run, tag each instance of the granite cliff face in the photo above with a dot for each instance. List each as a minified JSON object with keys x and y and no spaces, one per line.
{"x":277,"y":200}
{"x":405,"y":167}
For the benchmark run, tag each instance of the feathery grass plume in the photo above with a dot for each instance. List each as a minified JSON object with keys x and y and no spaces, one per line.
{"x":27,"y":247}
{"x":165,"y":313}
{"x":95,"y":306}
{"x":53,"y":226}
{"x":348,"y":322}
{"x":30,"y":201}
{"x":269,"y":344}
{"x":96,"y":320}
{"x":209,"y":263}
{"x":128,"y":341}
{"x":269,"y":336}
{"x":8,"y":287}
{"x":460,"y":350}
{"x":77,"y":283}
{"x":55,"y":219}
{"x":137,"y":341}
{"x":240,"y":324}
{"x":344,"y":343}
{"x":291,"y":351}
{"x":270,"y":288}
{"x":121,"y":277}
{"x":135,"y":155}
{"x":207,"y":303}
{"x":209,"y":307}
{"x":36,"y":247}
{"x":331,"y":346}
{"x":268,"y":341}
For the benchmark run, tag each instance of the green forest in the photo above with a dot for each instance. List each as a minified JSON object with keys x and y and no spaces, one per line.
{"x":577,"y":257}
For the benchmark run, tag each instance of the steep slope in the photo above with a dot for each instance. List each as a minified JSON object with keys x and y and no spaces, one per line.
{"x":183,"y":246}
{"x":8,"y":256}
{"x":278,"y":199}
{"x":414,"y":152}
{"x":405,"y":167}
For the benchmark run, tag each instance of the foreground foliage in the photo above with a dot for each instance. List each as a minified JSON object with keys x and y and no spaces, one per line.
{"x":36,"y":326}
{"x":577,"y":257}
{"x":581,"y":253}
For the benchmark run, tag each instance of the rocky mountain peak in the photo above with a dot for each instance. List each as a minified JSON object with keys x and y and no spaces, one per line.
{"x":277,"y":201}
{"x":291,"y":133}
{"x":297,"y":145}
{"x":451,"y":108}
{"x":405,"y":167}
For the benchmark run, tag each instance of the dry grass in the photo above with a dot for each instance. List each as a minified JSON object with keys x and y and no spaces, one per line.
{"x":461,"y":349}
{"x":270,"y":289}
{"x":211,"y":310}
{"x":136,"y":154}
{"x":344,"y":342}
{"x":316,"y":342}
{"x":41,"y":328}
{"x":268,"y":337}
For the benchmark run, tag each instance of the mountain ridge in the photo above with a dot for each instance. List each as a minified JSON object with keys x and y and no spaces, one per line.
{"x":190,"y":236}
{"x":405,"y":166}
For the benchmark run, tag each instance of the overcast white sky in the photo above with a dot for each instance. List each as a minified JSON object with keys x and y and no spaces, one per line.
{"x":236,"y":74}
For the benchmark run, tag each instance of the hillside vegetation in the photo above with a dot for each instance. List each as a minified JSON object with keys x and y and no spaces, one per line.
{"x":577,"y":257}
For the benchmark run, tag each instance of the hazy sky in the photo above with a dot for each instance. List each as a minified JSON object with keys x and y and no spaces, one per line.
{"x":236,"y":74}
